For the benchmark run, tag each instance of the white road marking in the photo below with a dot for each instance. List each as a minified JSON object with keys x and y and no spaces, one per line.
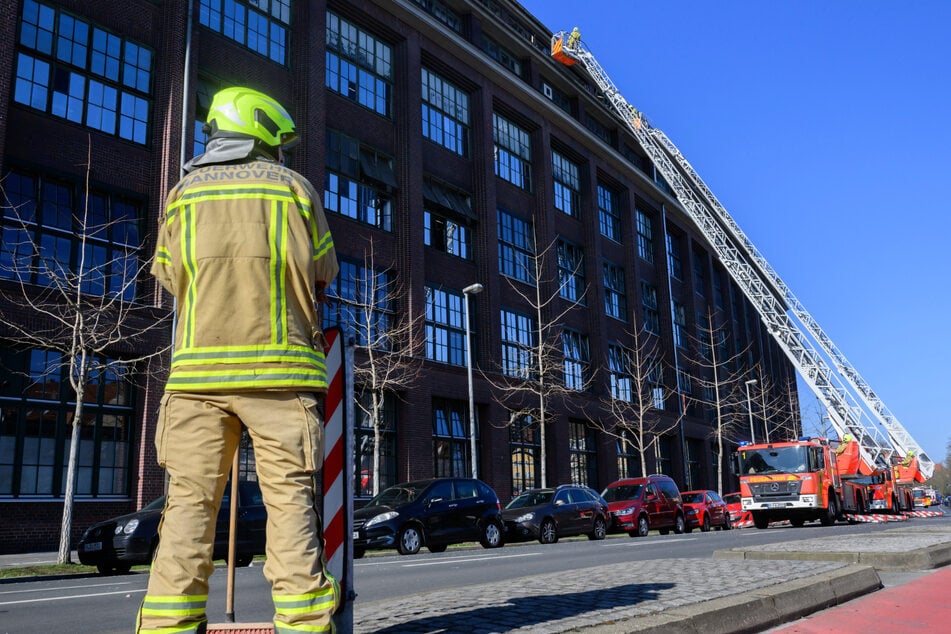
{"x":72,"y":596}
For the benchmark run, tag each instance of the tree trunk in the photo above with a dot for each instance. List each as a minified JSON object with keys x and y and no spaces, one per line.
{"x":65,"y":531}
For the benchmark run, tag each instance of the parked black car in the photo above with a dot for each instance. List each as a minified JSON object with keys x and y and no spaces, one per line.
{"x":547,"y":514}
{"x":432,"y":513}
{"x":122,"y":542}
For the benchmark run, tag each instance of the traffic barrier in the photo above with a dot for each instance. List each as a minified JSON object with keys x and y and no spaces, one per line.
{"x":924,"y":513}
{"x":873,"y":517}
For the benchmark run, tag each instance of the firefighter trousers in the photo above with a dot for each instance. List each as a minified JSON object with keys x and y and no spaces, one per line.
{"x":196,"y":437}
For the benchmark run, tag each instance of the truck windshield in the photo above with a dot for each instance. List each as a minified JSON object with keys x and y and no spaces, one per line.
{"x":793,"y":459}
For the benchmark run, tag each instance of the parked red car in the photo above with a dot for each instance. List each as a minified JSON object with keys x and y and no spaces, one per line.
{"x":735,"y":506}
{"x":705,"y":510}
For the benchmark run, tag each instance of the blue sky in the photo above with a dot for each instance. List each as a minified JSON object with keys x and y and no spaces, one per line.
{"x":824,"y":128}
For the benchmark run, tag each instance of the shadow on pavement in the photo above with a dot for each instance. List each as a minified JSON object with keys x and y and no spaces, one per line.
{"x":530,"y":610}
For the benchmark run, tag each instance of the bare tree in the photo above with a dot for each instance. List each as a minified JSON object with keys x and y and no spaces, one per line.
{"x":634,"y":407}
{"x":84,"y":312}
{"x":536,"y":373}
{"x":721,"y":385}
{"x":388,"y":344}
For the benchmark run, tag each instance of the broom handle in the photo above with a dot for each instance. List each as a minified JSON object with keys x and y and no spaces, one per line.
{"x":232,"y":530}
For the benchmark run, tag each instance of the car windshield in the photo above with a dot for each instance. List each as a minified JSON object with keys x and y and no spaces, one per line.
{"x":155,"y":505}
{"x":531,"y":498}
{"x":692,"y":498}
{"x":791,"y":459}
{"x":732,"y":498}
{"x":622,"y":492}
{"x":398,"y":494}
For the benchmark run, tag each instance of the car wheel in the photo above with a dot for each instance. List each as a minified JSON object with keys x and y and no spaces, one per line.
{"x":243,"y":561}
{"x":491,"y":536}
{"x":760,"y":520}
{"x":679,"y":524}
{"x":727,"y":522}
{"x":113,"y":569}
{"x":831,"y":513}
{"x":358,"y":553}
{"x":437,"y":548}
{"x":409,"y":541}
{"x":548,"y":533}
{"x":600,"y":529}
{"x":643,"y":527}
{"x":705,"y":524}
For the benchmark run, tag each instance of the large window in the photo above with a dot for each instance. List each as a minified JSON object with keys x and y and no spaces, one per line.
{"x":450,"y":438}
{"x":357,"y":181}
{"x":649,"y":305}
{"x":42,"y":237}
{"x":620,"y":376}
{"x":680,"y":324}
{"x":518,"y":344}
{"x":362,"y":304}
{"x":516,"y":248}
{"x":609,"y":214}
{"x":359,"y":66}
{"x":447,"y":215}
{"x":446,"y":117}
{"x":513,"y":152}
{"x":577,"y":359}
{"x":441,"y":12}
{"x":571,"y":281}
{"x":364,"y":442}
{"x":445,"y":326}
{"x":259,"y":25}
{"x":566,"y":183}
{"x":502,"y":55}
{"x":37,"y":408}
{"x":615,"y":295}
{"x":80,"y":72}
{"x":645,"y":236}
{"x":628,"y":456}
{"x":525,"y":449}
{"x":674,"y":259}
{"x":445,"y":234}
{"x":582,"y":454}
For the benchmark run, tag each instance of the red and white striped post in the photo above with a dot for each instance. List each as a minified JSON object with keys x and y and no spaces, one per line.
{"x":337,"y":506}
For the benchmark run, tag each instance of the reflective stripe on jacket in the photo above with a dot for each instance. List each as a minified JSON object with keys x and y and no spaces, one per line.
{"x":241,"y":248}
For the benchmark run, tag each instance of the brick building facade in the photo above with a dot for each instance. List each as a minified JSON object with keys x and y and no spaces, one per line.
{"x":450,"y":147}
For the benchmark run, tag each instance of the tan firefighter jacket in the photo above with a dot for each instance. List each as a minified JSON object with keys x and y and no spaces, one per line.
{"x":241,"y":248}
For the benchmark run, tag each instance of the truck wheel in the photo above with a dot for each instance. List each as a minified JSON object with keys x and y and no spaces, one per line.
{"x":831,"y":513}
{"x":760,"y":520}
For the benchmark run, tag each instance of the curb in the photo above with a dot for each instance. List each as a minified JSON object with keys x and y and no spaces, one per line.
{"x":767,"y":607}
{"x":918,"y":559}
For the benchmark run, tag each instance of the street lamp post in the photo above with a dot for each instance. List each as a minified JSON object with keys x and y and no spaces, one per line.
{"x":749,"y":407}
{"x":472,"y":289}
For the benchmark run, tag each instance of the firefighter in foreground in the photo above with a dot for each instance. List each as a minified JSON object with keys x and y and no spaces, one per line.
{"x":245,"y":249}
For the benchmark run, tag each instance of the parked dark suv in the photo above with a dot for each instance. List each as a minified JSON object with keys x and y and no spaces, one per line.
{"x":547,"y":514}
{"x":119,"y":543}
{"x":432,"y":513}
{"x":640,"y":504}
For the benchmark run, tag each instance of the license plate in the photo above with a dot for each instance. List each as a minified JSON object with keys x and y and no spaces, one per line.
{"x":356,"y":534}
{"x":93,"y":546}
{"x":776,"y":505}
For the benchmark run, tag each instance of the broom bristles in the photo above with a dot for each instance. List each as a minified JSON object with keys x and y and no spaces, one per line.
{"x":240,"y":628}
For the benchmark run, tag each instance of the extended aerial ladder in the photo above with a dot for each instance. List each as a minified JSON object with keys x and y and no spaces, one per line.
{"x":854,"y":408}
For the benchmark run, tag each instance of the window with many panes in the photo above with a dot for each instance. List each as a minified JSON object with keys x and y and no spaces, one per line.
{"x":516,"y":248}
{"x":620,"y":377}
{"x":615,"y":296}
{"x":445,"y":234}
{"x":717,"y":288}
{"x":525,"y":451}
{"x":609,"y":213}
{"x":441,"y":12}
{"x":502,"y":55}
{"x":674,"y":260}
{"x":37,"y":406}
{"x":450,"y":438}
{"x":43,"y":237}
{"x":359,"y":66}
{"x":664,"y":455}
{"x":445,"y":326}
{"x":655,"y":377}
{"x":363,"y":440}
{"x":571,"y":281}
{"x":258,"y":25}
{"x":704,"y":334}
{"x":577,"y":359}
{"x":362,"y":302}
{"x":645,"y":236}
{"x":78,"y":71}
{"x":680,"y":324}
{"x":513,"y":152}
{"x":628,"y":456}
{"x":518,"y":344}
{"x":446,"y":117}
{"x":649,"y":307}
{"x":699,"y":273}
{"x":356,"y":182}
{"x":565,"y":177}
{"x":582,"y":454}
